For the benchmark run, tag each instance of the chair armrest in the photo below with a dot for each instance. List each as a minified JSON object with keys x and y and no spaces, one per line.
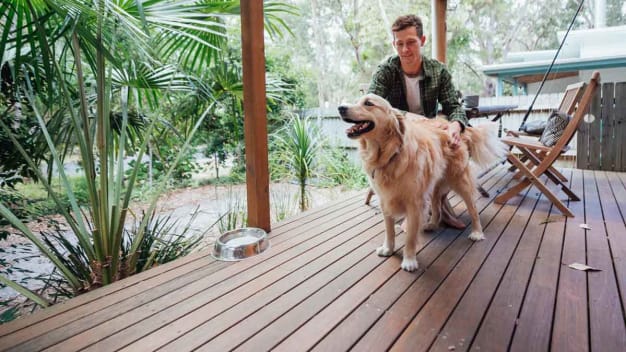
{"x":525,"y":143}
{"x":512,"y":133}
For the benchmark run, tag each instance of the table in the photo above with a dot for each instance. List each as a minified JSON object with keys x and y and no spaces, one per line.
{"x":488,"y":110}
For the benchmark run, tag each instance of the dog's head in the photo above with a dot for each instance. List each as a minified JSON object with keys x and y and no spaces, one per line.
{"x":371,"y":113}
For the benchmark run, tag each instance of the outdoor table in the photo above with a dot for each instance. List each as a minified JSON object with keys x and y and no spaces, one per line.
{"x":487,"y":111}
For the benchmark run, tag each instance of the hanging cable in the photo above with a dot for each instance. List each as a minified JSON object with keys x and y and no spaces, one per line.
{"x":545,"y":76}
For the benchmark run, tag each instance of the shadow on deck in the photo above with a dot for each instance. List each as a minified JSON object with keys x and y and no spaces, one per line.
{"x":321,"y":287}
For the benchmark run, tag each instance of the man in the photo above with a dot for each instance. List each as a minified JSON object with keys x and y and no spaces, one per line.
{"x":416,"y":85}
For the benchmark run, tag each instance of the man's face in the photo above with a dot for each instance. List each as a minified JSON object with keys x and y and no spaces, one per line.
{"x":409,"y":47}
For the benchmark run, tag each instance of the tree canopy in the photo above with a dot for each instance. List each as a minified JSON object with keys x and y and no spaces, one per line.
{"x":338,"y":43}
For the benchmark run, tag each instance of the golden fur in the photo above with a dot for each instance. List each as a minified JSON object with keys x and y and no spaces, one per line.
{"x":409,"y":163}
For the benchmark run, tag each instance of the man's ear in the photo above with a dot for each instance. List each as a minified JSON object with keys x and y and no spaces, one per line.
{"x":423,"y":39}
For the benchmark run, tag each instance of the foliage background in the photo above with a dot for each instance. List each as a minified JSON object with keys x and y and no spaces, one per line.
{"x":338,"y":43}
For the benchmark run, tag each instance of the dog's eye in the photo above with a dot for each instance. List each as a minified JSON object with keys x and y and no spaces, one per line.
{"x":368,"y":103}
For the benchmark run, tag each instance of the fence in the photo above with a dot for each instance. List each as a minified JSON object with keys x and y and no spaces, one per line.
{"x":601,"y":139}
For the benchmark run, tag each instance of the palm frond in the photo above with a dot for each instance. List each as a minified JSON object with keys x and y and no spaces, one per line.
{"x":275,"y":25}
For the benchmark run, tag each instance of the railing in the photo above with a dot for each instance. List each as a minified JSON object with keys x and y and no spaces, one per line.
{"x":600,"y":143}
{"x":333,"y":128}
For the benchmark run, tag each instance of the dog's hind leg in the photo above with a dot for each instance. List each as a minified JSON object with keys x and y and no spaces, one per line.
{"x":466,"y":191}
{"x":390,"y":238}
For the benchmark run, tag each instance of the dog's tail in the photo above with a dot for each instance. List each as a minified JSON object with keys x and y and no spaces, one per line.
{"x":485,"y":146}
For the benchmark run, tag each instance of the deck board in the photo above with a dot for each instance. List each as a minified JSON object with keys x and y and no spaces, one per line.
{"x":570,"y":327}
{"x":614,"y":209}
{"x":543,"y":258}
{"x":606,"y":316}
{"x":321,"y":287}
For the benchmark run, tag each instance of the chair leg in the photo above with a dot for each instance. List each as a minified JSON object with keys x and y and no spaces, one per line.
{"x":513,"y":167}
{"x":538,"y":156}
{"x":527,"y":181}
{"x":572,"y":196}
{"x":515,"y":190}
{"x":558,"y":178}
{"x":519,"y":174}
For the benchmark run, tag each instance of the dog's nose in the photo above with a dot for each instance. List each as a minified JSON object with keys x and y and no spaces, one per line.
{"x":342,"y":110}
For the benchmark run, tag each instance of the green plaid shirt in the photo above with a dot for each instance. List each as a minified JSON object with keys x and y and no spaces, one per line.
{"x":437,"y":87}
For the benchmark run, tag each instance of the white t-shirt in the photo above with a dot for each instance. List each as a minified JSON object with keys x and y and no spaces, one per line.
{"x":413,"y":96}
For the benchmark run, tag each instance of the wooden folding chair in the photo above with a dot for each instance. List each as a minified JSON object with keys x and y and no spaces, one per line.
{"x":540,"y":157}
{"x":572,"y":96}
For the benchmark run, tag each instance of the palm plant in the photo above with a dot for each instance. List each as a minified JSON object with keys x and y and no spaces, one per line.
{"x":298,"y":144}
{"x":73,"y":63}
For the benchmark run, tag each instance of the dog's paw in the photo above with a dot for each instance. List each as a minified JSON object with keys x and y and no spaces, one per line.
{"x":476,"y":236}
{"x":431,"y":226}
{"x":409,"y":264}
{"x":384,"y":251}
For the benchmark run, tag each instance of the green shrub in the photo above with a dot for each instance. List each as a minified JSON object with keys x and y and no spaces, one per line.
{"x":337,"y":169}
{"x":7,"y":313}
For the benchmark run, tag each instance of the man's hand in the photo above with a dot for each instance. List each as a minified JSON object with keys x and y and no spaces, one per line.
{"x":454,"y":132}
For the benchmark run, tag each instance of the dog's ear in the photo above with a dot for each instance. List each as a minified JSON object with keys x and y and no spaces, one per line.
{"x":400,"y":119}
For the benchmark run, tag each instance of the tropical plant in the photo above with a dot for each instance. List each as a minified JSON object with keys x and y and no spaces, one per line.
{"x":78,"y":65}
{"x":297,"y":148}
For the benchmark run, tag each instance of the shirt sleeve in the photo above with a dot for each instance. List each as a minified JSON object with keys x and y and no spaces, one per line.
{"x":449,"y":101}
{"x":380,"y":82}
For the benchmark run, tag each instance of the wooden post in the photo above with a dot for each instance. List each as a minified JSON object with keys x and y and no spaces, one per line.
{"x":439,"y":29}
{"x":255,"y":115}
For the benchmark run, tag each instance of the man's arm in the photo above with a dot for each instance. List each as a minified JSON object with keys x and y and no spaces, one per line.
{"x":451,"y":108}
{"x":449,"y":102}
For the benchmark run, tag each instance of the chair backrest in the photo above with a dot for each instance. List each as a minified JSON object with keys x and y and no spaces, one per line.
{"x":579,"y":107}
{"x":572,"y":96}
{"x":557,"y":121}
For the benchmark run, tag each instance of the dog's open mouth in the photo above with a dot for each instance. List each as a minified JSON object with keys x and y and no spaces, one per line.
{"x":359,"y":128}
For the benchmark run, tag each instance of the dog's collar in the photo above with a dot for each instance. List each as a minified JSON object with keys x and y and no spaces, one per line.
{"x":388,"y":162}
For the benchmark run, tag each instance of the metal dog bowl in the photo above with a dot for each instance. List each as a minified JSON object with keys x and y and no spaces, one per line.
{"x":240,"y":244}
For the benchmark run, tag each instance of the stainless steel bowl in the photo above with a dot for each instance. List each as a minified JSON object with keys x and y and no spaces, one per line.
{"x":240,"y":244}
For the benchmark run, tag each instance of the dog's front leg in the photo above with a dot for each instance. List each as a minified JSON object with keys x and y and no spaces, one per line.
{"x":409,"y":260}
{"x":390,"y":238}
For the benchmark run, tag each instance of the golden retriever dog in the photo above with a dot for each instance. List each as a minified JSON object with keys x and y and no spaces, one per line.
{"x":410,"y":164}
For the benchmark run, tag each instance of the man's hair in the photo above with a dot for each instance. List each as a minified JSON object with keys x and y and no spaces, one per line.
{"x":407,"y":21}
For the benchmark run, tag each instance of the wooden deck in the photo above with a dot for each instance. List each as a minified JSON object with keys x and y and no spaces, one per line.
{"x":321,"y":287}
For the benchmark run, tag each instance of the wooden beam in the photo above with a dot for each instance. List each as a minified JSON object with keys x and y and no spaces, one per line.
{"x":255,"y":115}
{"x":439,"y":29}
{"x":538,"y":77}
